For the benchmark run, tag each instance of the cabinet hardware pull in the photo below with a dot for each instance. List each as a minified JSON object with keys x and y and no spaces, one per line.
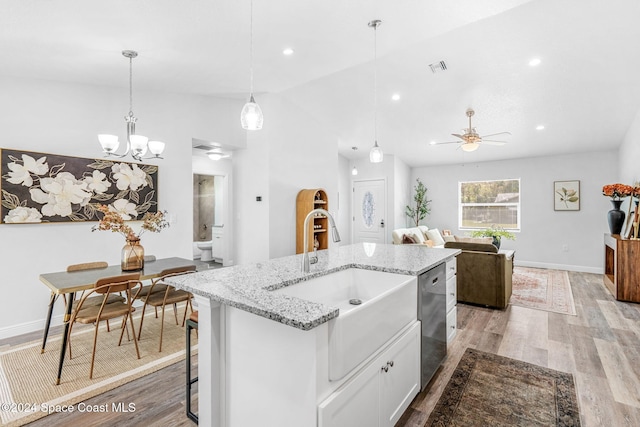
{"x":385,"y":368}
{"x":390,"y":363}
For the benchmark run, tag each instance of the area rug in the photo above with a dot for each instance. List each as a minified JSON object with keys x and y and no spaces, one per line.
{"x":491,"y":390}
{"x":542,"y":289}
{"x":27,"y":378}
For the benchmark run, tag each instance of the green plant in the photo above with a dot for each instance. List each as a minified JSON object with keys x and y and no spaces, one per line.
{"x":421,"y":209}
{"x":495,"y":232}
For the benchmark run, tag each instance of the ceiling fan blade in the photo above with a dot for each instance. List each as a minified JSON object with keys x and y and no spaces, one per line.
{"x":494,"y":134}
{"x":489,"y":142}
{"x":447,"y":142}
{"x":458,"y":135}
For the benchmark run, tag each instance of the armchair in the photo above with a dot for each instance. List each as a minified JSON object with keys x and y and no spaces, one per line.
{"x":483,"y":274}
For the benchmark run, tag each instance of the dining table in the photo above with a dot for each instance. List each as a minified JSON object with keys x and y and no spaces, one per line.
{"x":69,"y":283}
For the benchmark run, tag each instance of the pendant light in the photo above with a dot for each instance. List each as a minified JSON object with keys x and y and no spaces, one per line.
{"x":354,"y":171}
{"x":137,"y":145}
{"x":251,"y":116}
{"x":375,"y":155}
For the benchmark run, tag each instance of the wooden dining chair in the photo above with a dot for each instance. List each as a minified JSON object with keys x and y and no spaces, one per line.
{"x":95,"y":300}
{"x":170,"y":295}
{"x":129,"y":284}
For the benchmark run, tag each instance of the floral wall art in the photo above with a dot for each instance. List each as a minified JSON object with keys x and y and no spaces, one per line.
{"x":46,"y":188}
{"x":566,"y":195}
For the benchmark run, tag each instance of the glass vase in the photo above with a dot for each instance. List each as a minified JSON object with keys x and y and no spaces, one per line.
{"x":132,"y":256}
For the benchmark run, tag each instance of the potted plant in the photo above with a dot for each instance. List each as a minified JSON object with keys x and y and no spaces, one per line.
{"x":421,"y":209}
{"x":495,"y":232}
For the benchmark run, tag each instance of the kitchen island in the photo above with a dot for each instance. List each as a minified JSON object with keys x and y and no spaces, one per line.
{"x":262,"y":354}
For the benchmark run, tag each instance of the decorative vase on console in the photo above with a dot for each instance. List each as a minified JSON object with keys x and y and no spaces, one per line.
{"x":616,"y":216}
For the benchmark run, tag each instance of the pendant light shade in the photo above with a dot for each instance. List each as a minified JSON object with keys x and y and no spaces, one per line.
{"x":251,"y":115}
{"x":375,"y":155}
{"x":354,"y":171}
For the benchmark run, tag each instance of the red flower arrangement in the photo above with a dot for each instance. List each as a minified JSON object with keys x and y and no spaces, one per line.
{"x":619,"y":191}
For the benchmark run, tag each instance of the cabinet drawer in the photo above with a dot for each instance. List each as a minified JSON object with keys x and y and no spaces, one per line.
{"x":452,"y":328}
{"x":451,"y":293}
{"x":451,"y":267}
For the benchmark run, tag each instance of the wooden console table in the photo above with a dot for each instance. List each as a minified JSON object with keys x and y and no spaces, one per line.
{"x":622,"y":267}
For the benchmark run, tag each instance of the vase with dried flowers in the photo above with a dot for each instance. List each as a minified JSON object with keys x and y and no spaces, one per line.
{"x":617,"y":193}
{"x":132,"y":252}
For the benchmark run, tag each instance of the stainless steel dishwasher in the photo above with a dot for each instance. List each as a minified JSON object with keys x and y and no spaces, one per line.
{"x":432,"y":312}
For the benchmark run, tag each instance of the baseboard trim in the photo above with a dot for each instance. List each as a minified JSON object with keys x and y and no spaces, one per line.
{"x":578,"y":268}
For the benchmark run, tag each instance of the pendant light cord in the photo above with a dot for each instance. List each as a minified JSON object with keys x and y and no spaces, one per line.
{"x":130,"y":86}
{"x":251,"y":47}
{"x":375,"y":83}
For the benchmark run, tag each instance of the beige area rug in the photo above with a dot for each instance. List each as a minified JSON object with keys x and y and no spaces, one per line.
{"x":542,"y":289}
{"x":27,"y":378}
{"x":491,"y":390}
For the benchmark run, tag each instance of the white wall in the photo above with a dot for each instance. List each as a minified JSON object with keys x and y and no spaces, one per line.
{"x":544,"y":231}
{"x":402,"y":193}
{"x":65,"y":119}
{"x":629,"y":154}
{"x":343,"y":221}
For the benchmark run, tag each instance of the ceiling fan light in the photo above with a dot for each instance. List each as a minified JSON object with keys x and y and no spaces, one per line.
{"x":156,"y":147}
{"x":470,"y":146}
{"x":108,"y":142}
{"x":251,"y":116}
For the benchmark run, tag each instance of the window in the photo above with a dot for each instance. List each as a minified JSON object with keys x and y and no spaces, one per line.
{"x":486,"y":203}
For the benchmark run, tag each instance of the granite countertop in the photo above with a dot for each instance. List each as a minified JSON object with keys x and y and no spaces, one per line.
{"x":248,"y":287}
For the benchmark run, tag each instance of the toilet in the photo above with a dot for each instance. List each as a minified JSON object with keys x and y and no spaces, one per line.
{"x":206,"y":248}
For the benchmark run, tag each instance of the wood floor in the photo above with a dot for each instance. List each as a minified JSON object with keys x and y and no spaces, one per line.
{"x":600,"y":346}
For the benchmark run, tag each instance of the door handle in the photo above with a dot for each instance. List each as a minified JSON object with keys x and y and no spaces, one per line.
{"x":382,"y":223}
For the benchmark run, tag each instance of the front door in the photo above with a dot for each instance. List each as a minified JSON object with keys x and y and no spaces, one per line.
{"x":369,"y":206}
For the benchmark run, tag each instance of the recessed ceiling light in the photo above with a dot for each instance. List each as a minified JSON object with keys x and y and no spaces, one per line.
{"x":534,"y":62}
{"x":288,"y":51}
{"x":395,"y":96}
{"x":539,"y":127}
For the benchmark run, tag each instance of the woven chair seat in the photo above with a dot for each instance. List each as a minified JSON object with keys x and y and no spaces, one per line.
{"x":97,"y":300}
{"x":159,"y":287}
{"x":89,"y":314}
{"x":156,"y":299}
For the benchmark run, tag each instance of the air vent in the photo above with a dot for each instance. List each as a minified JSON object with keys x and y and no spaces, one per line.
{"x":438,"y":67}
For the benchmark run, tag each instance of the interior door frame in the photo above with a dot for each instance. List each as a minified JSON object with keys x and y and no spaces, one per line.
{"x":386,"y":202}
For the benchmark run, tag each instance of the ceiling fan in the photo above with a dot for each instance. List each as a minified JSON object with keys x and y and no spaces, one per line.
{"x":470,"y":139}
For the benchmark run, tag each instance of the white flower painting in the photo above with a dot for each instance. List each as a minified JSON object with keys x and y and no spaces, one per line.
{"x":40,"y":187}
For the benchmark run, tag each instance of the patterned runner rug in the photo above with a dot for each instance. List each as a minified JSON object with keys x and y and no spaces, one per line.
{"x":491,"y":390}
{"x":542,"y":289}
{"x":27,"y":378}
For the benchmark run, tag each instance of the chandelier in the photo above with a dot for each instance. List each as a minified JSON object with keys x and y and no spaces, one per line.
{"x":137,"y":145}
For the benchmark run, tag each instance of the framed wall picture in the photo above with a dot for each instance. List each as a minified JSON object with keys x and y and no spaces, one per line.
{"x":566,"y":195}
{"x":46,"y":188}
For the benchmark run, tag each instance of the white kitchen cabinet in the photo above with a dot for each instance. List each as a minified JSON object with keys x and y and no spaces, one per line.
{"x":380,"y":392}
{"x":452,"y":298}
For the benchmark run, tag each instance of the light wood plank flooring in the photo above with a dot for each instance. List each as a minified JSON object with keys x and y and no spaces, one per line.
{"x":600,"y":346}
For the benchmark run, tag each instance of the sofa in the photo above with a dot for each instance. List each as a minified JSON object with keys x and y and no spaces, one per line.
{"x":420,"y":235}
{"x":483,"y":274}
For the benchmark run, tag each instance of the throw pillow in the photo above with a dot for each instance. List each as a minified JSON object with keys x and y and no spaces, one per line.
{"x":408,"y":239}
{"x":449,"y":238}
{"x":429,"y":243}
{"x":424,"y":230}
{"x":435,"y":237}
